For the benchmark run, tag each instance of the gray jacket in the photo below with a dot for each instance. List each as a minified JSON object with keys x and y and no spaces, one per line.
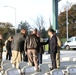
{"x":18,"y":42}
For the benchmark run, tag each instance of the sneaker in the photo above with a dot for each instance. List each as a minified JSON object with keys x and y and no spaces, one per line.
{"x":51,"y":69}
{"x":38,"y":70}
{"x":58,"y":67}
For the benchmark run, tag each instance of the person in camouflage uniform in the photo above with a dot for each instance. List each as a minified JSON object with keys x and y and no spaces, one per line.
{"x":58,"y":52}
{"x":1,"y":48}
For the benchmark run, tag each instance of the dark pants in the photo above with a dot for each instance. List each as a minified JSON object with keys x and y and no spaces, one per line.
{"x":40,"y":58}
{"x":25,"y":58}
{"x":53,"y":59}
{"x":0,"y":57}
{"x":8,"y":56}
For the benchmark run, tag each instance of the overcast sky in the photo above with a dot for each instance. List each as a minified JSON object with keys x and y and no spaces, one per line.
{"x":27,"y":10}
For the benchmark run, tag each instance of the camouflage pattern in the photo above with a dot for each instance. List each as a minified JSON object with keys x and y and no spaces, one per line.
{"x":1,"y":50}
{"x":58,"y":52}
{"x":58,"y":58}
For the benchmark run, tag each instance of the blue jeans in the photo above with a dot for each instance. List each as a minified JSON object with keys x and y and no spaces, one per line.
{"x":40,"y":58}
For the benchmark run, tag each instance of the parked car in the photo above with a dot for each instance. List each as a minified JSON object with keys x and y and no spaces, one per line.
{"x":71,"y":43}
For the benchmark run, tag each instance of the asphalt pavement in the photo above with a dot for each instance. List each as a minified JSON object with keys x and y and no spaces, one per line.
{"x":67,"y":58}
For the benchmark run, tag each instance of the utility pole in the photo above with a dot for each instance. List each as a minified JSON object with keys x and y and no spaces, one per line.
{"x":55,"y":15}
{"x":67,"y":20}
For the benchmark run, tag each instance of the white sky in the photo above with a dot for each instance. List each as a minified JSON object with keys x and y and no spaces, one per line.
{"x":28,"y":10}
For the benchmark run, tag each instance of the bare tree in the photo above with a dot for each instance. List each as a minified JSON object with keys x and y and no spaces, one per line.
{"x":39,"y":22}
{"x":63,"y":8}
{"x":50,"y":23}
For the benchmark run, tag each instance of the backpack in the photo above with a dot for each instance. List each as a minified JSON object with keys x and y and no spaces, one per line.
{"x":59,"y":42}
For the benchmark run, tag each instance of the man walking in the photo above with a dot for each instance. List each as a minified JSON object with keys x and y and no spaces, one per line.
{"x":58,"y":51}
{"x":8,"y":48}
{"x":41,"y":50}
{"x":32,"y":45}
{"x":17,"y":47}
{"x":52,"y":41}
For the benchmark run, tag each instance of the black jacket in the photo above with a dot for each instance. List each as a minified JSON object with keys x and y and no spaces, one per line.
{"x":30,"y":44}
{"x":41,"y":46}
{"x":52,"y":44}
{"x":18,"y":42}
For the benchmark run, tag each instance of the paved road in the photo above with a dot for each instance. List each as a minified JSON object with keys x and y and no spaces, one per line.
{"x":66,"y":57}
{"x":71,"y":54}
{"x":46,"y":57}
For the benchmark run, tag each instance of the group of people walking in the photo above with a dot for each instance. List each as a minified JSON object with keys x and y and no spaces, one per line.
{"x":30,"y":48}
{"x":27,"y":45}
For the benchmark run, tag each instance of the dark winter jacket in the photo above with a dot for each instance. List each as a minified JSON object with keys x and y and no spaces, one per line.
{"x":8,"y":46}
{"x":52,"y":44}
{"x":18,"y":42}
{"x":32,"y":42}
